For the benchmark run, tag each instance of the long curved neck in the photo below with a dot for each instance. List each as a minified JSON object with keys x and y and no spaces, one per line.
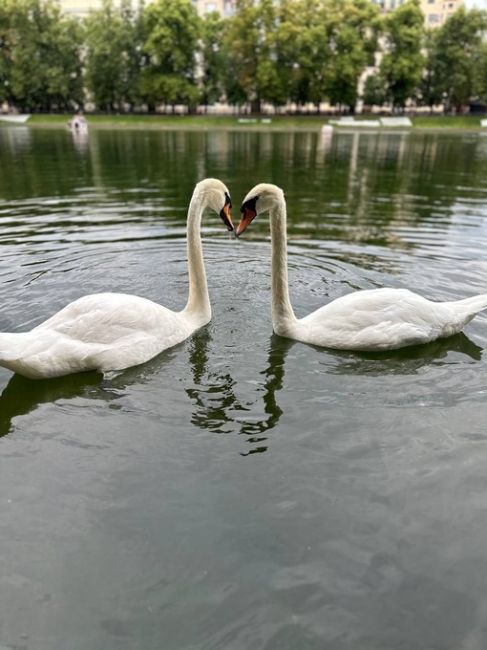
{"x":198,"y":299}
{"x":282,"y":311}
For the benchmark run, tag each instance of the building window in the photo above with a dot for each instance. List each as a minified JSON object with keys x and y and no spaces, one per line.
{"x":210,"y":6}
{"x":433,"y":19}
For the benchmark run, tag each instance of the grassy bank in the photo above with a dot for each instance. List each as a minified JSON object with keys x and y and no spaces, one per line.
{"x":463,"y":122}
{"x":197,"y":122}
{"x":211,"y":122}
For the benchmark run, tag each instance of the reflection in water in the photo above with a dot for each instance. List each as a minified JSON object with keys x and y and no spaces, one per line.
{"x":80,"y":141}
{"x":355,"y":179}
{"x":162,"y":531}
{"x":218,"y":408}
{"x":21,"y":395}
{"x":273,"y":375}
{"x":17,"y":138}
{"x":212,"y":391}
{"x":406,"y":361}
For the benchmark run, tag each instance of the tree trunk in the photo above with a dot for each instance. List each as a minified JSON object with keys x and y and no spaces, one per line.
{"x":255,"y":105}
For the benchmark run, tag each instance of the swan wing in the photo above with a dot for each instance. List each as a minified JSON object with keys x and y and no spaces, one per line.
{"x":105,"y":317}
{"x":380,"y":319}
{"x":97,"y":332}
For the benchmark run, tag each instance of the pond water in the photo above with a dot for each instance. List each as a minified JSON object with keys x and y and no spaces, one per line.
{"x":241,"y":490}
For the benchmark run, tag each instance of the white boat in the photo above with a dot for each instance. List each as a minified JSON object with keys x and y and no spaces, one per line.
{"x":16,"y":119}
{"x":396,"y":121}
{"x":78,"y":126}
{"x":352,"y":122}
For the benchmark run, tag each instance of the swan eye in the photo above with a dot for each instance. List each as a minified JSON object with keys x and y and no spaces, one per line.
{"x":249,"y":212}
{"x":250,"y":204}
{"x":226,"y":213}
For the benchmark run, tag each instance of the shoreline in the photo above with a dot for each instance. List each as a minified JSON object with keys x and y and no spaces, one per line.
{"x":285,"y":124}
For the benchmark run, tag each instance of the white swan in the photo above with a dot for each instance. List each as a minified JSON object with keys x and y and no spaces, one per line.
{"x":113,"y":331}
{"x":377,"y":319}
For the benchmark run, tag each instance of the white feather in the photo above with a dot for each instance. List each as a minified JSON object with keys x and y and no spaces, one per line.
{"x":113,"y":331}
{"x":377,"y":319}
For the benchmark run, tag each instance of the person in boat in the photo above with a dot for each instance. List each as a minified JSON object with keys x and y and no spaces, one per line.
{"x":78,"y":123}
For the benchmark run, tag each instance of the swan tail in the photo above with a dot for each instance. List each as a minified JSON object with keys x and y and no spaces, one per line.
{"x":470,"y":307}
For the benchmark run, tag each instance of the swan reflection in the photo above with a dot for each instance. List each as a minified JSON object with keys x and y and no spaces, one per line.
{"x":214,"y":393}
{"x":406,"y":361}
{"x":21,"y":395}
{"x":273,"y":379}
{"x":218,"y":409}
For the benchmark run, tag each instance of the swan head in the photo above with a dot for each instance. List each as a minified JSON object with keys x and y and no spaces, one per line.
{"x":217,"y":197}
{"x":262,"y":198}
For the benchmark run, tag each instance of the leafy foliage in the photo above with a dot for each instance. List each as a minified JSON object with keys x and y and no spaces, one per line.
{"x":40,"y":67}
{"x":172,"y":29}
{"x":113,"y":57}
{"x":374,"y":91}
{"x":213,"y":58}
{"x":402,"y":64}
{"x":353,"y":27}
{"x":456,"y":60}
{"x":127,"y":54}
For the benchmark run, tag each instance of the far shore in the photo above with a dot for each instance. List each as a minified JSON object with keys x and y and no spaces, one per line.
{"x":248,"y":123}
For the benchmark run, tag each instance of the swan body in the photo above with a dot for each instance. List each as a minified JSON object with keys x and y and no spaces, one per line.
{"x":113,"y":331}
{"x":376,"y":319}
{"x":383,"y":319}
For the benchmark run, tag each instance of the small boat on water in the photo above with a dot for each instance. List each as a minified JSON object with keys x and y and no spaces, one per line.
{"x":15,"y":119}
{"x":78,"y":124}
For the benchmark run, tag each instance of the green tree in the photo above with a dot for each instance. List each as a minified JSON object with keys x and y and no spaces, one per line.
{"x":257,"y":53}
{"x":272,"y":74}
{"x":113,"y":55}
{"x":353,"y":27}
{"x":430,"y":91}
{"x":455,"y":59}
{"x":482,"y":73}
{"x":402,"y":64}
{"x":213,"y":58}
{"x":285,"y":36}
{"x":374,"y":93}
{"x":172,"y":30}
{"x":242,"y":46}
{"x":313,"y":55}
{"x":40,"y":58}
{"x":5,"y":53}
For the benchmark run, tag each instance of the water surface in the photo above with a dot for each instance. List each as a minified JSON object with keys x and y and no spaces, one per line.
{"x":241,"y":490}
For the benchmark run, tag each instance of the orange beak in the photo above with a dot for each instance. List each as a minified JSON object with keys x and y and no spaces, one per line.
{"x":248,"y":215}
{"x":226,"y":216}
